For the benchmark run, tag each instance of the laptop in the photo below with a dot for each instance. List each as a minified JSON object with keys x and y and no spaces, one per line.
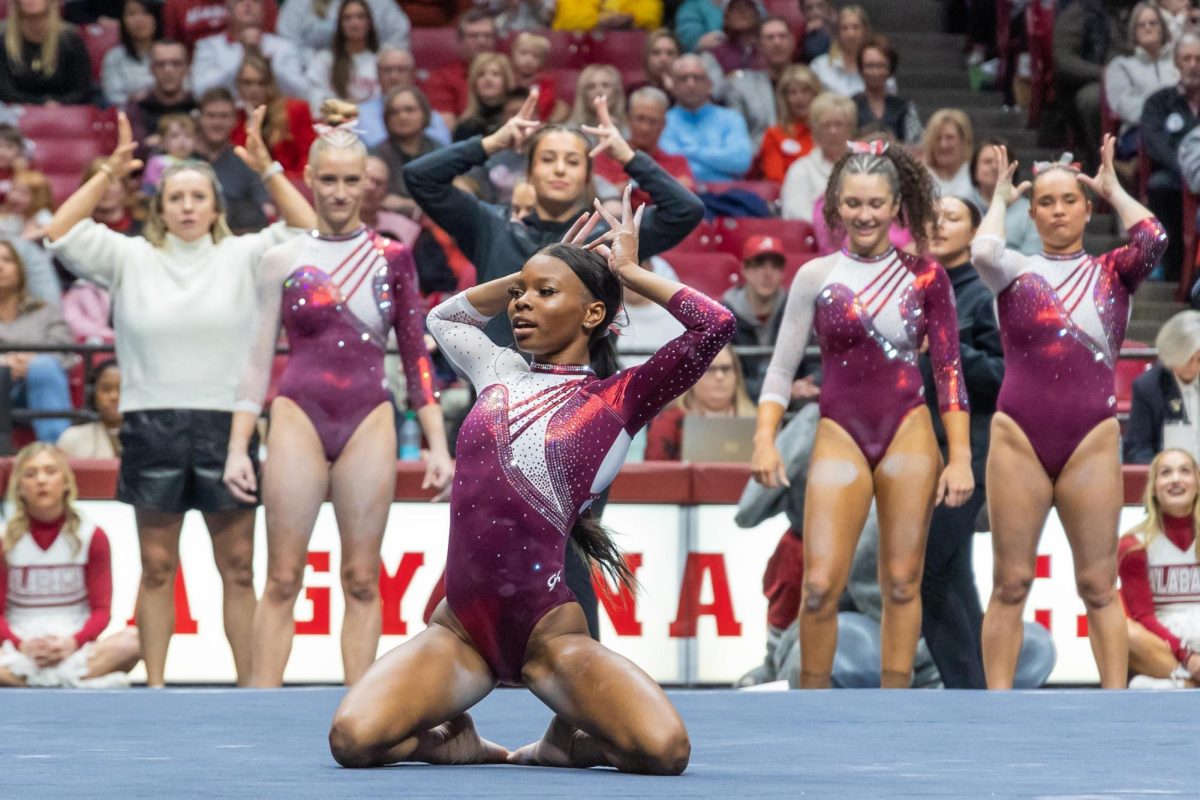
{"x":718,"y":439}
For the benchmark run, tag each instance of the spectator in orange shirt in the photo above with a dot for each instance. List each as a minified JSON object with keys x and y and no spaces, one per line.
{"x":447,"y":86}
{"x":790,"y":138}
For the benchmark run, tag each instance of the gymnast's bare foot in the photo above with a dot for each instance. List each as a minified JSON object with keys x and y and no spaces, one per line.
{"x":563,"y":745}
{"x":457,"y":742}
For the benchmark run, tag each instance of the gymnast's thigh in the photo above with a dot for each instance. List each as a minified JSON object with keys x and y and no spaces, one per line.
{"x":837,"y":500}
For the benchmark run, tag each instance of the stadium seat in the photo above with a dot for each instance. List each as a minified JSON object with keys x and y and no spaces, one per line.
{"x":700,"y":240}
{"x":65,"y":139}
{"x":622,"y":49}
{"x":793,"y":264}
{"x":789,"y":10}
{"x":711,"y":273}
{"x":797,"y":235}
{"x":433,"y":48}
{"x":569,"y":50}
{"x":565,"y":81}
{"x":1128,"y":369}
{"x":99,"y":38}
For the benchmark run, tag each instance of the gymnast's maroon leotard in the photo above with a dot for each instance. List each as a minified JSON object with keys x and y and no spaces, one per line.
{"x":337,"y":296}
{"x":871,"y":316}
{"x":539,"y":445}
{"x":1062,"y":321}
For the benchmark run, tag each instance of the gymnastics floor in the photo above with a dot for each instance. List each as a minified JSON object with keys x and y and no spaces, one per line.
{"x":217,"y":743}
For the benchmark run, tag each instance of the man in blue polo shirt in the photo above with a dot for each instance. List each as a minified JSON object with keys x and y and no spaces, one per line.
{"x":713,"y":139}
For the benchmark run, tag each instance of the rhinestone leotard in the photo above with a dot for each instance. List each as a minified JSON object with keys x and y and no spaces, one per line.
{"x":871,"y":317}
{"x":541,"y":442}
{"x":1062,"y":320}
{"x":337,"y":296}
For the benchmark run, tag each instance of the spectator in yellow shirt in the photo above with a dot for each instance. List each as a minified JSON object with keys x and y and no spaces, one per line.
{"x":584,"y":15}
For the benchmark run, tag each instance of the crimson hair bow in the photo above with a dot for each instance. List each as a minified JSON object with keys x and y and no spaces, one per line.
{"x":873,"y":148}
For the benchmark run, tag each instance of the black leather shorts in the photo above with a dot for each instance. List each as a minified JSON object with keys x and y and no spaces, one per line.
{"x":173,"y":460}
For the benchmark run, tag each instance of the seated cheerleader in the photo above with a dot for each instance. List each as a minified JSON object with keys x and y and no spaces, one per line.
{"x":541,"y":443}
{"x":1160,"y":578}
{"x":56,"y":584}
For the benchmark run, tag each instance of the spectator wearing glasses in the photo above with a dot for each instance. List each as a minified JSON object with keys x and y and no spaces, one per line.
{"x":396,"y":71}
{"x":713,"y":139}
{"x":720,"y":392}
{"x":447,"y":86}
{"x":752,"y":92}
{"x":168,"y":94}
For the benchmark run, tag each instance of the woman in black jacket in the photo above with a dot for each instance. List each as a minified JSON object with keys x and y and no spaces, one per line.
{"x":560,"y":170}
{"x":1167,"y":393}
{"x":951,"y":615}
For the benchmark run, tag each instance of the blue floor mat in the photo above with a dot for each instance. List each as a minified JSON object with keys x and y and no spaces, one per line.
{"x":1074,"y":744}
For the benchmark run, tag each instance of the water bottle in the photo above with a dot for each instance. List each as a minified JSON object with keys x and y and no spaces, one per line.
{"x":410,"y":438}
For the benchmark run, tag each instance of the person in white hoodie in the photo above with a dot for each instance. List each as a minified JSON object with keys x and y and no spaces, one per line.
{"x":1129,"y":80}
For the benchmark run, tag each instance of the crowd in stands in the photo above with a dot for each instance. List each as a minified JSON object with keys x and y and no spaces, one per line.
{"x":745,"y":104}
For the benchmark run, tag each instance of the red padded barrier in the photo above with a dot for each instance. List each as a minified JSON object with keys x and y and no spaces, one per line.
{"x":719,"y":482}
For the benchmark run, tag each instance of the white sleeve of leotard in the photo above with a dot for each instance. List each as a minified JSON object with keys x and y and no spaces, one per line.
{"x":256,"y":376}
{"x":794,"y":331}
{"x":997,"y":265}
{"x":459,"y":331}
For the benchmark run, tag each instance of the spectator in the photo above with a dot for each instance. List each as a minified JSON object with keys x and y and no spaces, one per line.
{"x":559,"y":167}
{"x":948,"y":143}
{"x":1166,"y":397}
{"x":647,"y":119}
{"x":737,"y":46}
{"x":374,"y":212}
{"x":490,"y":81}
{"x":529,"y":53}
{"x":27,"y":207}
{"x":99,"y":438}
{"x":50,"y":634}
{"x":289,"y":125}
{"x":41,"y":277}
{"x":877,"y":61}
{"x":349,"y":70}
{"x":523,"y":202}
{"x":45,"y":60}
{"x":503,"y":170}
{"x":39,"y":380}
{"x":1157,"y":563}
{"x":311,"y":25}
{"x":116,"y":208}
{"x":832,"y":121}
{"x":168,"y":94}
{"x":395,"y":69}
{"x":12,"y":155}
{"x":408,"y":115}
{"x":648,"y":326}
{"x":125,"y":70}
{"x":599,"y":80}
{"x":513,"y":16}
{"x":662,"y":48}
{"x":713,"y":139}
{"x":838,"y":69}
{"x":1167,"y":117}
{"x":447,"y":86}
{"x":790,"y":138}
{"x":698,"y":24}
{"x":178,"y":135}
{"x":1129,"y":80}
{"x":1020,"y":232}
{"x":720,"y":392}
{"x":758,"y":303}
{"x":752,"y":92}
{"x":820,"y":25}
{"x":1179,"y":15}
{"x":586,"y":15}
{"x":247,"y":204}
{"x":1087,"y":36}
{"x":219,"y":57}
{"x":189,"y":21}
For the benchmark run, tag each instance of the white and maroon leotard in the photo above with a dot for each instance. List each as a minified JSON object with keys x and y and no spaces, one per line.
{"x":539,"y":445}
{"x":1160,"y":584}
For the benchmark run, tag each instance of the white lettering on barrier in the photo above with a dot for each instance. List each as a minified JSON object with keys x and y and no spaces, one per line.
{"x":700,"y":615}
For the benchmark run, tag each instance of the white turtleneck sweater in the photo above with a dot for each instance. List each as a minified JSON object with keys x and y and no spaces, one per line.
{"x":182,"y":312}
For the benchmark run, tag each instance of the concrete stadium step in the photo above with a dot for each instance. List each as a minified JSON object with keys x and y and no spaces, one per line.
{"x":1143,"y":330}
{"x":1155,"y":311}
{"x":1157,"y":291}
{"x":910,"y":16}
{"x":924,"y":78}
{"x":929,"y":100}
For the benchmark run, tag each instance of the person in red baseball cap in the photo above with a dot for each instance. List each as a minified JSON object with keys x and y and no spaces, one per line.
{"x":757,"y":302}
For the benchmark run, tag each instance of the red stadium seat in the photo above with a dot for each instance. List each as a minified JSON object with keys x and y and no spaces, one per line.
{"x":700,"y":240}
{"x":1039,"y":26}
{"x":568,"y":50}
{"x":767,"y":190}
{"x":565,"y":81}
{"x":797,"y":235}
{"x":433,"y":48}
{"x":1128,"y":369}
{"x":789,"y":10}
{"x":711,"y":273}
{"x":622,"y":49}
{"x":65,"y":139}
{"x":794,"y":262}
{"x":99,"y":38}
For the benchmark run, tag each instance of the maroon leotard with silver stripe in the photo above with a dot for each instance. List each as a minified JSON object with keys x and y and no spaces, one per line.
{"x":871,"y":316}
{"x":541,"y":442}
{"x":1062,"y":320}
